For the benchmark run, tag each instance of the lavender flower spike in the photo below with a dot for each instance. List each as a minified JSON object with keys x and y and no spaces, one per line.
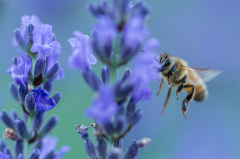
{"x":88,"y":145}
{"x":19,"y":72}
{"x":81,"y":57}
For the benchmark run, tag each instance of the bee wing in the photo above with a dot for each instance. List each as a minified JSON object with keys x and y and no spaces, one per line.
{"x":198,"y":76}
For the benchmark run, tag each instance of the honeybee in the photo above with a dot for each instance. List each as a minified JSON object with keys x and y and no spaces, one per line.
{"x":178,"y":74}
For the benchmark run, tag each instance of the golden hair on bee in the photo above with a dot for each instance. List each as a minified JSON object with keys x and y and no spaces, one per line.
{"x":176,"y":72}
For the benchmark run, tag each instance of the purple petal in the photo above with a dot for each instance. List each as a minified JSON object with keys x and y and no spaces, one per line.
{"x":19,"y":72}
{"x":49,"y":143}
{"x":81,"y":57}
{"x":151,"y":44}
{"x":103,"y":107}
{"x":62,"y":151}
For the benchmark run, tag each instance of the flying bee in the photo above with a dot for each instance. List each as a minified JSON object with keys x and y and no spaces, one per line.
{"x":178,"y":74}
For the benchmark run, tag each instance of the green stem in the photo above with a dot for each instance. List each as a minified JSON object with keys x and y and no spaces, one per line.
{"x":113,"y":74}
{"x":33,"y":64}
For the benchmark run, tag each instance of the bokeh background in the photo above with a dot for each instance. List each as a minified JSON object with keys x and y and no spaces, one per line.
{"x":206,"y":33}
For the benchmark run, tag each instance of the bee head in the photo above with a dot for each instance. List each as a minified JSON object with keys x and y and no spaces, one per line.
{"x":164,"y":60}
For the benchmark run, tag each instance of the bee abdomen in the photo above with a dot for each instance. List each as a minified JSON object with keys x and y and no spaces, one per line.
{"x":201,"y":93}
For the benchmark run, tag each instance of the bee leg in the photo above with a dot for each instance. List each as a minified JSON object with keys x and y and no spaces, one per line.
{"x":160,"y":87}
{"x":171,"y":72}
{"x":166,"y":101}
{"x":184,"y":107}
{"x":187,"y":99}
{"x":180,"y":87}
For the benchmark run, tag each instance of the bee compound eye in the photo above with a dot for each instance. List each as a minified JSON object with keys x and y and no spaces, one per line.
{"x":168,"y":62}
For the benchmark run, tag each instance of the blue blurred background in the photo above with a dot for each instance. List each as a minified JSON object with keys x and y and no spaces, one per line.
{"x":206,"y":33}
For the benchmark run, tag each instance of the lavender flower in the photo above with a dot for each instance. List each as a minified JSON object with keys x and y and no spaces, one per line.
{"x":44,"y":41}
{"x":81,"y":57}
{"x":39,"y":66}
{"x":25,"y":21}
{"x":103,"y":107}
{"x":42,"y":101}
{"x":118,"y":37}
{"x":19,"y":72}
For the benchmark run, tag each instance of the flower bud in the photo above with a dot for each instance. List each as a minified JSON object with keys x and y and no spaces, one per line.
{"x":57,"y":97}
{"x":20,"y":156}
{"x":40,"y":67}
{"x":20,"y":40}
{"x":30,"y":103}
{"x":82,"y":130}
{"x":21,"y":128}
{"x":37,"y":121}
{"x":48,"y":86}
{"x":2,"y":146}
{"x":52,"y":154}
{"x":120,"y":123}
{"x":14,"y":115}
{"x":35,"y":155}
{"x":22,"y":92}
{"x":52,"y":72}
{"x":136,"y":116}
{"x":29,"y":32}
{"x":52,"y":122}
{"x":115,"y":153}
{"x":118,"y":143}
{"x":15,"y":60}
{"x":14,"y":92}
{"x":130,"y":108}
{"x":39,"y":144}
{"x":18,"y":147}
{"x":101,"y":147}
{"x":7,"y":120}
{"x":88,"y":144}
{"x":98,"y":10}
{"x":131,"y":151}
{"x":102,"y":48}
{"x":122,"y":90}
{"x":126,"y":75}
{"x":105,"y":74}
{"x":91,"y":79}
{"x":108,"y":127}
